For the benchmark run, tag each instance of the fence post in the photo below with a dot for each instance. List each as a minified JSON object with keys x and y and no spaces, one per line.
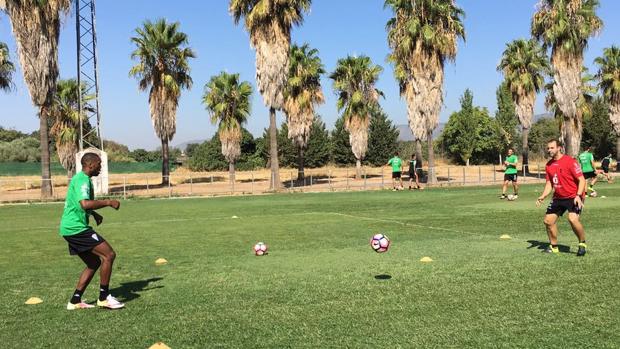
{"x":538,"y":169}
{"x":365,"y":178}
{"x":494,"y":174}
{"x":169,"y":187}
{"x":479,"y":175}
{"x":252,"y":174}
{"x":191,"y":185}
{"x":311,"y":180}
{"x":292,"y":185}
{"x":329,"y":179}
{"x":26,"y":186}
{"x":124,"y":188}
{"x":448,"y":175}
{"x":464,"y":175}
{"x":347,"y":178}
{"x":52,"y":186}
{"x":382,"y":179}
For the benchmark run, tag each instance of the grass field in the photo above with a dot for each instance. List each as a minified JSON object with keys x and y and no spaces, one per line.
{"x":321,"y":285}
{"x":34,"y":168}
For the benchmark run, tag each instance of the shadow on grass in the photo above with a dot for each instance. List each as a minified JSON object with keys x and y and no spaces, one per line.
{"x":383,"y":277}
{"x":543,"y":246}
{"x":129,"y":291}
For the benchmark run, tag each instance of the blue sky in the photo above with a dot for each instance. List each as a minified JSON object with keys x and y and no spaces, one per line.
{"x":335,"y":27}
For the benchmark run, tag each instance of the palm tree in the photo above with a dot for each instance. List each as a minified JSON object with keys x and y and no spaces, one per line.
{"x":608,"y":76}
{"x":566,"y":26}
{"x":423,"y":34}
{"x":36,"y":27}
{"x":228,"y":102}
{"x":354,"y":83}
{"x":524,"y":64}
{"x":303,"y":92}
{"x":584,"y":102}
{"x":66,"y":122}
{"x":6,"y":68}
{"x":269,"y":24}
{"x":164,"y":67}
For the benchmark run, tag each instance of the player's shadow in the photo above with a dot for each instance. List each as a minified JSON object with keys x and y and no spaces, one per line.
{"x":543,"y":246}
{"x":383,"y":277}
{"x":129,"y":291}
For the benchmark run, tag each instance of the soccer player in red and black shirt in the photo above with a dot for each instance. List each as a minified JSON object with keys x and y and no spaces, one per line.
{"x":565,"y":178}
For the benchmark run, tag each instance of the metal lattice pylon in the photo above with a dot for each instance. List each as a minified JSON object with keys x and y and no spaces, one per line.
{"x":87,"y":75}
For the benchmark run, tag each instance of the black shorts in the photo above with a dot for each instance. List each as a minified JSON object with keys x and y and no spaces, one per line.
{"x":559,"y":206}
{"x":510,"y":177}
{"x":605,"y":169}
{"x":412,"y":174}
{"x":395,"y":174}
{"x":589,"y":175}
{"x":84,"y":241}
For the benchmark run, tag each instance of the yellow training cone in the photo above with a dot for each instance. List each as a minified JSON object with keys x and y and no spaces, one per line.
{"x":34,"y":300}
{"x":234,"y":217}
{"x":161,"y":261}
{"x":426,"y":259}
{"x":505,"y":237}
{"x":159,"y":345}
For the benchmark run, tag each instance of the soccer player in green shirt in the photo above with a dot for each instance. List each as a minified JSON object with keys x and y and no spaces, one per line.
{"x":413,"y":173}
{"x":586,"y":160}
{"x":510,"y":174}
{"x":83,"y":241}
{"x":397,"y":167}
{"x":605,"y":165}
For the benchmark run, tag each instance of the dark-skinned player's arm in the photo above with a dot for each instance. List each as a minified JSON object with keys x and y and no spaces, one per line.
{"x":91,"y":205}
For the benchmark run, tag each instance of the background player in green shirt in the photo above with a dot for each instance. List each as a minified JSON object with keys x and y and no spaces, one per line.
{"x":510,"y":175}
{"x":605,"y":165}
{"x":586,"y":160}
{"x":413,"y":173}
{"x":83,"y":241}
{"x":397,"y":168}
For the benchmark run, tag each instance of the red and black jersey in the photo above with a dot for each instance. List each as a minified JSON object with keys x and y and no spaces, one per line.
{"x":564,"y":175}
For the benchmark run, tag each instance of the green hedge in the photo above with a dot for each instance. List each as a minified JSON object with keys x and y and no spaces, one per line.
{"x":34,"y":168}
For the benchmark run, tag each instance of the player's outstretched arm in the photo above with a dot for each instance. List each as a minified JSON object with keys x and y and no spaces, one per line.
{"x":545,"y":193}
{"x":97,"y":204}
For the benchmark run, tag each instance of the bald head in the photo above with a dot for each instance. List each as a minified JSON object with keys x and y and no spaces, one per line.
{"x":91,"y":164}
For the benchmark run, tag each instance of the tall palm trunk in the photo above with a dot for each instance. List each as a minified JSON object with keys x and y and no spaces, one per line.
{"x":46,"y":179}
{"x":274,"y":183}
{"x":418,"y":149}
{"x":165,"y":164}
{"x":526,"y":151}
{"x":567,"y":89}
{"x":231,"y":175}
{"x":432,"y":176}
{"x":358,"y":169}
{"x":571,"y":135}
{"x":300,"y":165}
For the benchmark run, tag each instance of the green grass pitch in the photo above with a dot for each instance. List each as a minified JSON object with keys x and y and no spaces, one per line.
{"x":319,"y":285}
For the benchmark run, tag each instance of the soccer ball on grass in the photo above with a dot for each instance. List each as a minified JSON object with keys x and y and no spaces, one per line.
{"x":380,"y":243}
{"x":260,"y":249}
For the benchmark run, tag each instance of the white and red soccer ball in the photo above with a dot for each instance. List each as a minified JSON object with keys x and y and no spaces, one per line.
{"x":380,"y":243}
{"x":260,"y":249}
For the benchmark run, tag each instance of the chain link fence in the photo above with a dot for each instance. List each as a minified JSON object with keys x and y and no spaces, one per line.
{"x":28,"y":189}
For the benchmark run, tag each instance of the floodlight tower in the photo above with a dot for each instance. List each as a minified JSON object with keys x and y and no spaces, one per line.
{"x":88,"y":99}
